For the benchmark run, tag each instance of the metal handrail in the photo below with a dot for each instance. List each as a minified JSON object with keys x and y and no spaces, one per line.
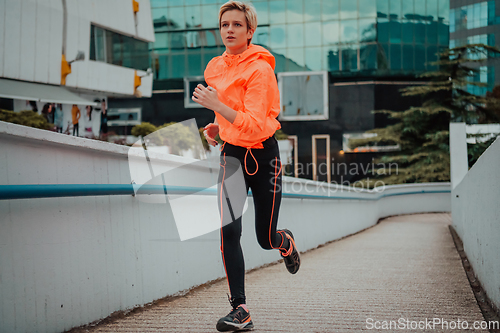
{"x":10,"y":192}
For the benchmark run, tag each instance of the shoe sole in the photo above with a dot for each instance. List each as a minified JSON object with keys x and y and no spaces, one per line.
{"x":298,"y":253}
{"x":224,"y":326}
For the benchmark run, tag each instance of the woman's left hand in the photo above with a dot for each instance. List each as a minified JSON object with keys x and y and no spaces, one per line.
{"x":206,"y":97}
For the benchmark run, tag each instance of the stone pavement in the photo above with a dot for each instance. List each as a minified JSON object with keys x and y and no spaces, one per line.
{"x":405,"y":269}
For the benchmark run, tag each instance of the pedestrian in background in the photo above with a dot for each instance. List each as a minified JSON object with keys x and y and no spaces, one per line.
{"x":104,"y":119}
{"x":75,"y":114}
{"x":58,"y":117}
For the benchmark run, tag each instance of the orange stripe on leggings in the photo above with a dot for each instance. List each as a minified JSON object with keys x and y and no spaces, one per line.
{"x":274,"y":199}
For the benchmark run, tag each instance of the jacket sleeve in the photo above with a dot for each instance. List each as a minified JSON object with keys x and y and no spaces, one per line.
{"x":261,"y":91}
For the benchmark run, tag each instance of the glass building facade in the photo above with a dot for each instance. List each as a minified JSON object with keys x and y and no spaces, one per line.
{"x":344,"y":37}
{"x":477,"y":23}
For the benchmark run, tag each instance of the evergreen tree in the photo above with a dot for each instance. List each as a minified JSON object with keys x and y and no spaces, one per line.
{"x":422,"y":132}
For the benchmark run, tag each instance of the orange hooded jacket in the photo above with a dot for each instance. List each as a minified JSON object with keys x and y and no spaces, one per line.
{"x":246,"y":83}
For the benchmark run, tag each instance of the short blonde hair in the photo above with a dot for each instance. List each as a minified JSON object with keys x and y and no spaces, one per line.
{"x":246,"y":8}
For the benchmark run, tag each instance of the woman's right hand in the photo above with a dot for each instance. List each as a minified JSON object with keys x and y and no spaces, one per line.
{"x":210,"y":132}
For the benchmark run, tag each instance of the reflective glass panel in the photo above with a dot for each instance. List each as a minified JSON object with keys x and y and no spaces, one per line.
{"x":420,"y":33}
{"x":177,"y":17}
{"x":210,"y":16}
{"x":296,"y":59}
{"x":407,"y":8}
{"x":408,"y":57}
{"x":491,"y":12}
{"x":313,"y":58}
{"x":330,"y":10}
{"x":208,"y":2}
{"x":469,"y":17}
{"x":160,"y":17}
{"x":177,"y":40}
{"x":348,"y":31}
{"x":383,"y":56}
{"x":312,"y":10}
{"x":161,"y":41}
{"x":313,"y":34}
{"x":368,"y":56}
{"x":484,"y":14}
{"x":443,"y":34}
{"x":432,"y":9}
{"x":97,"y":44}
{"x":452,"y":21}
{"x":281,"y":59}
{"x":348,"y":9}
{"x":331,"y":58}
{"x":420,"y":7}
{"x":367,"y":8}
{"x":161,"y":67}
{"x":277,"y":12}
{"x":210,"y":38}
{"x":350,"y":58}
{"x":126,"y":51}
{"x":367,"y":30}
{"x":331,"y":32}
{"x":295,"y":35}
{"x":382,"y":8}
{"x":159,"y":3}
{"x":261,"y":36}
{"x":395,"y":56}
{"x":408,"y":31}
{"x":444,"y":9}
{"x":193,"y":39}
{"x":477,"y":15}
{"x":262,"y":12}
{"x":178,"y":63}
{"x":295,"y":11}
{"x":395,"y":8}
{"x":394,"y":31}
{"x":278,"y":36}
{"x":193,"y":16}
{"x":191,"y":2}
{"x":194,"y":63}
{"x":420,"y":57}
{"x":432,"y":33}
{"x":382,"y":30}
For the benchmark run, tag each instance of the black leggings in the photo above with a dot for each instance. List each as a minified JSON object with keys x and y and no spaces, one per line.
{"x":262,"y":174}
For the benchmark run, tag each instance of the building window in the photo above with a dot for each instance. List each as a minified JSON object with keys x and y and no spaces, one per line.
{"x":473,"y":16}
{"x":303,"y":95}
{"x":114,"y":48}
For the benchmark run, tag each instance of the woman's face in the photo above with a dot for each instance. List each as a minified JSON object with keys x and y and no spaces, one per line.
{"x":234,"y":31}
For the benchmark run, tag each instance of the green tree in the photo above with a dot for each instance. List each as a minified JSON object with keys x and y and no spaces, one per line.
{"x":26,"y":118}
{"x":422,"y":132}
{"x":143,"y":129}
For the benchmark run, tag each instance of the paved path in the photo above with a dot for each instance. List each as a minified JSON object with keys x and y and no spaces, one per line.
{"x":405,"y":267}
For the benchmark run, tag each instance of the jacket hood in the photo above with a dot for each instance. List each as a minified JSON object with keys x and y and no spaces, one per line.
{"x":253,"y":52}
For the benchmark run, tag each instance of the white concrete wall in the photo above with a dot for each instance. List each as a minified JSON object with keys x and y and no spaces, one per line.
{"x":65,"y":262}
{"x":31,"y":42}
{"x":476,"y":218}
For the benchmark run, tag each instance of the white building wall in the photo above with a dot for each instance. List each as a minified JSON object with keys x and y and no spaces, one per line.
{"x":2,"y":37}
{"x":70,"y":261}
{"x":476,"y":218}
{"x":31,"y":42}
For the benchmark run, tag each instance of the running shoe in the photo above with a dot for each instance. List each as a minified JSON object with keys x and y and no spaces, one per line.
{"x":237,"y":320}
{"x":291,"y":257}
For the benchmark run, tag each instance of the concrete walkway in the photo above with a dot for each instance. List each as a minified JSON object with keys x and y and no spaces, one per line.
{"x":405,"y":269}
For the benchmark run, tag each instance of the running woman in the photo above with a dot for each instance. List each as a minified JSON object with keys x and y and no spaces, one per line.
{"x":243,"y":92}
